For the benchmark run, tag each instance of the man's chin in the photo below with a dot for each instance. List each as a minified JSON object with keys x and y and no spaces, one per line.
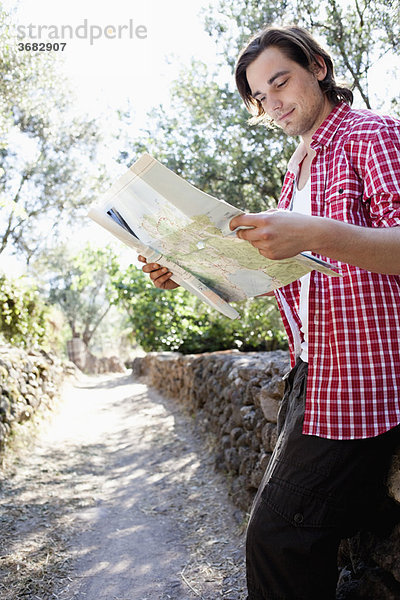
{"x":290,"y":129}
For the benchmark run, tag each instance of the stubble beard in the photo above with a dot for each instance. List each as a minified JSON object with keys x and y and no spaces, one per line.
{"x":308,"y":121}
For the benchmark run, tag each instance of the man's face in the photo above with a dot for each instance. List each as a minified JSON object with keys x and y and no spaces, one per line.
{"x":289,"y":94}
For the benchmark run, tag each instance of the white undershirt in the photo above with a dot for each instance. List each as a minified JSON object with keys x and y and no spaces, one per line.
{"x":302,"y":204}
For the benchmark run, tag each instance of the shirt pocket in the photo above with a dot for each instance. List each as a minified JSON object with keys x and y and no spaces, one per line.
{"x":344,"y":202}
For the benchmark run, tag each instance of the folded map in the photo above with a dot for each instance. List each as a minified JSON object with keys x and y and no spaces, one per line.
{"x":171,"y":222}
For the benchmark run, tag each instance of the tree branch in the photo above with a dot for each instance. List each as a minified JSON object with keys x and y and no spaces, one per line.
{"x":88,"y":333}
{"x":354,"y":74}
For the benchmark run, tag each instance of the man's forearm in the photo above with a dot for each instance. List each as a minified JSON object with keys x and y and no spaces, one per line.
{"x":373,"y":249}
{"x":279,"y":234}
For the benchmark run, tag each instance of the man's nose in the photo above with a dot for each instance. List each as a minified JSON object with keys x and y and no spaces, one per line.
{"x":273,"y":103}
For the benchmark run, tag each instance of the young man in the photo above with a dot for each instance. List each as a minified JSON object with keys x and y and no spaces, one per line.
{"x":339,"y":416}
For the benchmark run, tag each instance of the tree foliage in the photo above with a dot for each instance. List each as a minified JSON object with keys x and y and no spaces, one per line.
{"x":24,"y":316}
{"x":47,"y":155}
{"x":80,"y":284}
{"x":358,"y":33}
{"x":163,"y":320}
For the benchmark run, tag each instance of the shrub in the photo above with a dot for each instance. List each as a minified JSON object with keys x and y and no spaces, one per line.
{"x":177,"y":320}
{"x":24,"y":316}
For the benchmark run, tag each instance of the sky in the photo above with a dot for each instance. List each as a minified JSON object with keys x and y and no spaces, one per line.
{"x":131,"y":63}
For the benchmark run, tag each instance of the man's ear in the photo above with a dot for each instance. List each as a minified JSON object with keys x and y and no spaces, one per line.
{"x":319,"y":68}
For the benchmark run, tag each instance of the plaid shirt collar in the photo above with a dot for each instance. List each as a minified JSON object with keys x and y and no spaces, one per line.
{"x":324,"y":136}
{"x":327,"y":130}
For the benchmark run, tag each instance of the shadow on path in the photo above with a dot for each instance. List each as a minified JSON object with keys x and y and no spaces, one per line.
{"x":132,"y":492}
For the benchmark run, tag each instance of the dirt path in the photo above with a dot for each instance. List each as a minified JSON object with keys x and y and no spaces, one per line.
{"x":119,"y":501}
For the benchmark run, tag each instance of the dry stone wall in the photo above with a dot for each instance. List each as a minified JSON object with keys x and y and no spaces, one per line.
{"x":234,"y":397}
{"x":81,"y":356}
{"x":28,"y":381}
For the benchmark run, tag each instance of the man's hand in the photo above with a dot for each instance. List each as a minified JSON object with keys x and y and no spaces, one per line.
{"x":279,"y":234}
{"x":276,"y":234}
{"x":160,"y":276}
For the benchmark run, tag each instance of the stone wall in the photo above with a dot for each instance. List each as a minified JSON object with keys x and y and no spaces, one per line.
{"x":234,"y":399}
{"x":80,"y":355}
{"x":28,"y":381}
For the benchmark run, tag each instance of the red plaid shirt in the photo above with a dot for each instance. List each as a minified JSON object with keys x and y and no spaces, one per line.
{"x":353,"y":388}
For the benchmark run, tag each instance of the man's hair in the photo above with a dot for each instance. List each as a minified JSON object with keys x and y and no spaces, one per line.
{"x":296,"y":44}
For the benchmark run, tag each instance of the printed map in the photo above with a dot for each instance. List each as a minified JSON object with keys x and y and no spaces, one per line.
{"x":230,"y":266}
{"x":169,"y":221}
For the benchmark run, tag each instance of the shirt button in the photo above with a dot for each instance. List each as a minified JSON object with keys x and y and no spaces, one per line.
{"x":298,"y":518}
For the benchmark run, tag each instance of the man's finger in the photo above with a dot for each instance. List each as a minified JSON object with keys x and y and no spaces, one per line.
{"x":162,"y":273}
{"x":160,"y":280}
{"x":150,"y":267}
{"x":241,"y":220}
{"x":252,"y":235}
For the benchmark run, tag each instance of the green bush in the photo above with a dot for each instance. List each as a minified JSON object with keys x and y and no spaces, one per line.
{"x":24,"y":316}
{"x":177,"y":320}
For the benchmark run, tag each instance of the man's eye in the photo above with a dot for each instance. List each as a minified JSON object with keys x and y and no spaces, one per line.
{"x":282,"y":83}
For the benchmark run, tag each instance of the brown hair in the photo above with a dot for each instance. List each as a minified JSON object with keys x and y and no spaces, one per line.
{"x":298,"y":45}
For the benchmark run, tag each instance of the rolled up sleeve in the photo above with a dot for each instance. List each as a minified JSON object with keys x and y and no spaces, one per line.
{"x":382,"y":178}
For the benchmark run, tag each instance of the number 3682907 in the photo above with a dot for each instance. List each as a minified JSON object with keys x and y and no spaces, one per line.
{"x":41,"y":46}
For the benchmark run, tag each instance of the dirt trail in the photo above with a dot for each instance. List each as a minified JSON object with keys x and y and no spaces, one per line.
{"x":119,"y":501}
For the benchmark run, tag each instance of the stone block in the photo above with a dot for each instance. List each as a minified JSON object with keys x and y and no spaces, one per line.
{"x":268,"y":436}
{"x":244,"y":440}
{"x":269,"y":405}
{"x":232,"y":460}
{"x":248,"y":417}
{"x":235,"y":434}
{"x":394,"y":477}
{"x":259,"y":470}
